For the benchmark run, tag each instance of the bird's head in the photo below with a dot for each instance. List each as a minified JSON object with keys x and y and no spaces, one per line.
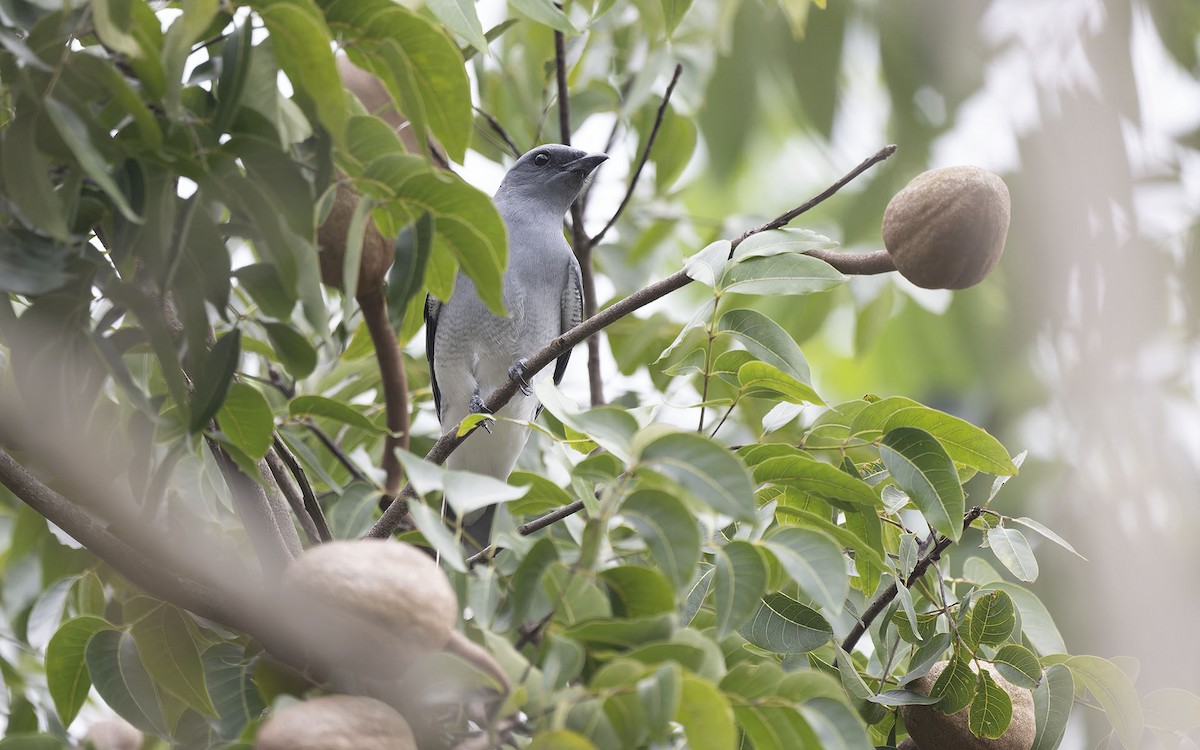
{"x":549,"y":176}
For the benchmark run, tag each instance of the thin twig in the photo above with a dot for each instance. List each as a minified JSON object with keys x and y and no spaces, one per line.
{"x":526,"y":529}
{"x":293,"y":495}
{"x":449,"y":441}
{"x":312,"y":506}
{"x":499,"y":130}
{"x":885,"y":598}
{"x":332,"y":446}
{"x":645,"y":157}
{"x":786,"y":217}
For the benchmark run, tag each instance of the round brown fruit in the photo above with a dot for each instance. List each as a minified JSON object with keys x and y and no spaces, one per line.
{"x":930,"y":729}
{"x":370,"y":605}
{"x":946,"y":229}
{"x":377,"y":252}
{"x":336,"y":722}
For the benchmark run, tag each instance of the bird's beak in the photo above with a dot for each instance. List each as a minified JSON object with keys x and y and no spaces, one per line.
{"x":585,"y":165}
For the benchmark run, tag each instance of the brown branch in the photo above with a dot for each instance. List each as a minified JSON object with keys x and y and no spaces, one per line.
{"x":262,"y":520}
{"x":856,"y":264}
{"x":564,"y":101}
{"x":311,"y":506}
{"x":162,"y":581}
{"x":786,"y":217}
{"x":395,"y":386}
{"x":645,"y":157}
{"x":885,"y":598}
{"x":499,"y":130}
{"x":292,"y":493}
{"x":448,"y":442}
{"x":526,"y":529}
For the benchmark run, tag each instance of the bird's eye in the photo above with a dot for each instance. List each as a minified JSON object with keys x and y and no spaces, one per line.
{"x":541,"y":160}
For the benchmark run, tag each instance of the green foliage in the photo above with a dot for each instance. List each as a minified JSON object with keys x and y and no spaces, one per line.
{"x":163,"y":307}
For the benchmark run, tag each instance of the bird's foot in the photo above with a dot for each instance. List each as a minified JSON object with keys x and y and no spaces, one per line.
{"x":516,"y":373}
{"x":478,"y":407}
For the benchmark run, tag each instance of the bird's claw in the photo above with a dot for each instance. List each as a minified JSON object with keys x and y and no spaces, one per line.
{"x":516,"y":373}
{"x":478,"y":407}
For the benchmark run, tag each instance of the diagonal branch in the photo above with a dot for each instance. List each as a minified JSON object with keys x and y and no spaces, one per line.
{"x":887,"y":595}
{"x":447,"y":443}
{"x":645,"y":157}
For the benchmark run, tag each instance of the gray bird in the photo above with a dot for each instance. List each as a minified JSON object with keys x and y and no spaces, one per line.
{"x":472,"y":352}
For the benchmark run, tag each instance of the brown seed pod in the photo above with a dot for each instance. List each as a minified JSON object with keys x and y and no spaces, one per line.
{"x":336,"y":722}
{"x":946,"y":229}
{"x":377,"y":605}
{"x":930,"y":729}
{"x":377,"y":252}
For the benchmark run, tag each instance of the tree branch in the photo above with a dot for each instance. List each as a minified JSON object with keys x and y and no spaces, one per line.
{"x":526,"y":529}
{"x":885,"y":598}
{"x":311,"y":506}
{"x":395,"y":385}
{"x":499,"y":130}
{"x":448,"y":442}
{"x":645,"y":157}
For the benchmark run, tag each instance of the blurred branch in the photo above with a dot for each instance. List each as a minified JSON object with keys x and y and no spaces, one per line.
{"x":395,"y":385}
{"x":499,"y":130}
{"x":645,"y":157}
{"x":526,"y":529}
{"x":448,"y":442}
{"x":260,"y":517}
{"x":887,"y":595}
{"x":304,"y":502}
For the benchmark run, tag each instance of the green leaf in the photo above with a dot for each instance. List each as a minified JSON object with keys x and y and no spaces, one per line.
{"x":26,"y":178}
{"x":636,"y":591}
{"x":234,"y":695}
{"x":785,"y":626}
{"x":709,"y":264}
{"x":836,"y":725}
{"x":215,"y":379}
{"x":814,"y":562}
{"x":460,"y":17}
{"x":701,"y":467}
{"x":1013,"y":550}
{"x":1029,"y":523}
{"x":706,"y":716}
{"x":246,"y":420}
{"x":781,"y":242}
{"x":920,"y":466}
{"x":741,"y":580}
{"x":759,"y":380}
{"x":789,"y":274}
{"x":668,"y":530}
{"x":261,"y":281}
{"x":1052,"y":701}
{"x":992,"y":619}
{"x":67,"y":675}
{"x":419,"y":65}
{"x":991,"y":708}
{"x":1036,"y":623}
{"x":31,"y":264}
{"x":967,"y":444}
{"x":74,"y":132}
{"x":236,"y":56}
{"x":775,"y":726}
{"x":112,"y":19}
{"x":1018,"y":665}
{"x":546,"y":13}
{"x":674,"y":147}
{"x":955,"y":686}
{"x":292,"y":348}
{"x":766,"y":340}
{"x":406,"y":277}
{"x":560,"y":739}
{"x":122,"y":681}
{"x":304,"y":49}
{"x":172,"y":657}
{"x":1113,"y":688}
{"x":816,"y":477}
{"x":309,"y":405}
